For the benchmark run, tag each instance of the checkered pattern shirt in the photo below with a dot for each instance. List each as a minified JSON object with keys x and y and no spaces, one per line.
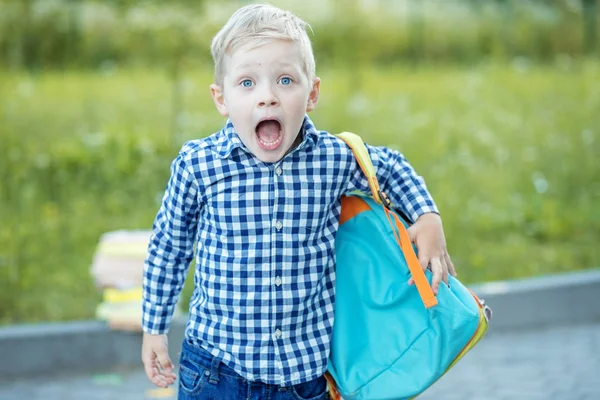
{"x":264,"y":235}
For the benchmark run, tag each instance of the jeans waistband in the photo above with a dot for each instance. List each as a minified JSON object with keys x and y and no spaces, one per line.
{"x":206,"y":360}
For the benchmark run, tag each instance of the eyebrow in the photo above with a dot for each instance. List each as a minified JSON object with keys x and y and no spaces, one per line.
{"x":279,"y":63}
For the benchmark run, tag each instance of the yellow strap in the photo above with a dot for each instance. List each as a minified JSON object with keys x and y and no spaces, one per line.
{"x":361,"y":154}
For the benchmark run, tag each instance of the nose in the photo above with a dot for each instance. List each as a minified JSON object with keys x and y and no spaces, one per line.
{"x":268,"y":99}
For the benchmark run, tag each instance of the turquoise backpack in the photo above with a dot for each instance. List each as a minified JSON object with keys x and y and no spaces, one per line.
{"x":391,"y":340}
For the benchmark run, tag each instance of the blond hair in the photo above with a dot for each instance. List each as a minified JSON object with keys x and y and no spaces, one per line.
{"x":257,"y":24}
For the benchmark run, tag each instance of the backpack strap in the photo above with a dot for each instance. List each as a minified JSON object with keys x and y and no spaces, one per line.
{"x":361,"y":154}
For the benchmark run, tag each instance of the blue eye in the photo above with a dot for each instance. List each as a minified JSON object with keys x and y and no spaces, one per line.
{"x":285,"y":81}
{"x":246,"y":83}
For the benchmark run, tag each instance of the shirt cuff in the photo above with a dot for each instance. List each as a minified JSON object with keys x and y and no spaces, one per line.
{"x":156,"y":320}
{"x":417,"y":212}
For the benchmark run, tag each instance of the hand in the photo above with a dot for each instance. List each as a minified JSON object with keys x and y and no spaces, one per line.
{"x":155,"y":356}
{"x":428,"y":235}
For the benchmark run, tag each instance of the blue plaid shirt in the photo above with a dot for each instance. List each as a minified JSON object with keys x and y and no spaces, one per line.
{"x":264,"y":236}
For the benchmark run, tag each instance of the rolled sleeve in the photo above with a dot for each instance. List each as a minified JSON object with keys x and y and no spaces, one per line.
{"x":398,"y":179}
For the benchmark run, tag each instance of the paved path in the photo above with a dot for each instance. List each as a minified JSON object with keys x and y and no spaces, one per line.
{"x":558,"y":363}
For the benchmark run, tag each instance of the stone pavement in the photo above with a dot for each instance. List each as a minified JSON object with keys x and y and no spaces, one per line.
{"x":561,"y":363}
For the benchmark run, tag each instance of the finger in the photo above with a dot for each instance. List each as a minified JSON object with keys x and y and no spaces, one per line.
{"x":165,"y":378}
{"x":436,"y":268}
{"x":167,"y":374}
{"x":153,"y":374}
{"x":412,"y":233}
{"x":451,"y":268}
{"x":444,"y":270}
{"x":148,"y":359}
{"x":424,"y":260}
{"x":158,"y":379}
{"x":164,"y":363}
{"x":151,"y":371}
{"x":424,"y":263}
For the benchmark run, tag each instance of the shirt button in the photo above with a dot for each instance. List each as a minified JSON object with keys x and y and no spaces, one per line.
{"x":278,"y":225}
{"x":278,"y":281}
{"x":278,"y":171}
{"x":277,"y":334}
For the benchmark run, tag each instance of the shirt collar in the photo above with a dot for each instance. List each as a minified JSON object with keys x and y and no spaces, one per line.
{"x":228,"y":139}
{"x":310,"y":133}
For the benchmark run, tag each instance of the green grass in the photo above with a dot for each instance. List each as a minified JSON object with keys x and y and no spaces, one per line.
{"x":509,"y":153}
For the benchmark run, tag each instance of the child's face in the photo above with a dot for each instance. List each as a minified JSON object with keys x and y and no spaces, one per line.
{"x":266,"y":94}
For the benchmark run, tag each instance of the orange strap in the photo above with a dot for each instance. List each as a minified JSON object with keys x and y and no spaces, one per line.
{"x":366,"y":165}
{"x":334,"y":394}
{"x":412,"y":261}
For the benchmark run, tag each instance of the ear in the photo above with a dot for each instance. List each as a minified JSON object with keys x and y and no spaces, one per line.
{"x":219,"y":98}
{"x":313,"y":96}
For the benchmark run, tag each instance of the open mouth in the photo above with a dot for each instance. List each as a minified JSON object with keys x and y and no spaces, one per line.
{"x":269,"y":134}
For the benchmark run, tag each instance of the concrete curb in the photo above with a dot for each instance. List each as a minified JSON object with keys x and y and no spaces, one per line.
{"x":90,"y":346}
{"x":45,"y":349}
{"x":561,"y":299}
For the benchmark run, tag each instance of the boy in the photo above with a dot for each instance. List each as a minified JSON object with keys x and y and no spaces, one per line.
{"x":260,"y":200}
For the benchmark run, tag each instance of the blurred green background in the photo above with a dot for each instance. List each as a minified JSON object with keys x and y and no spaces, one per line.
{"x":496,"y":103}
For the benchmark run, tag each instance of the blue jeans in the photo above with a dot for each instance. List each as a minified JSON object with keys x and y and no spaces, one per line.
{"x":204,"y":377}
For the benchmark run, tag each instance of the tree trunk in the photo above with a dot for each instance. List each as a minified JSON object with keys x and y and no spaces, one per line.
{"x":590,"y":24}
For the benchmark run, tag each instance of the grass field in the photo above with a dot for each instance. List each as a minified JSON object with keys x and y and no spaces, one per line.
{"x":511,"y":155}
